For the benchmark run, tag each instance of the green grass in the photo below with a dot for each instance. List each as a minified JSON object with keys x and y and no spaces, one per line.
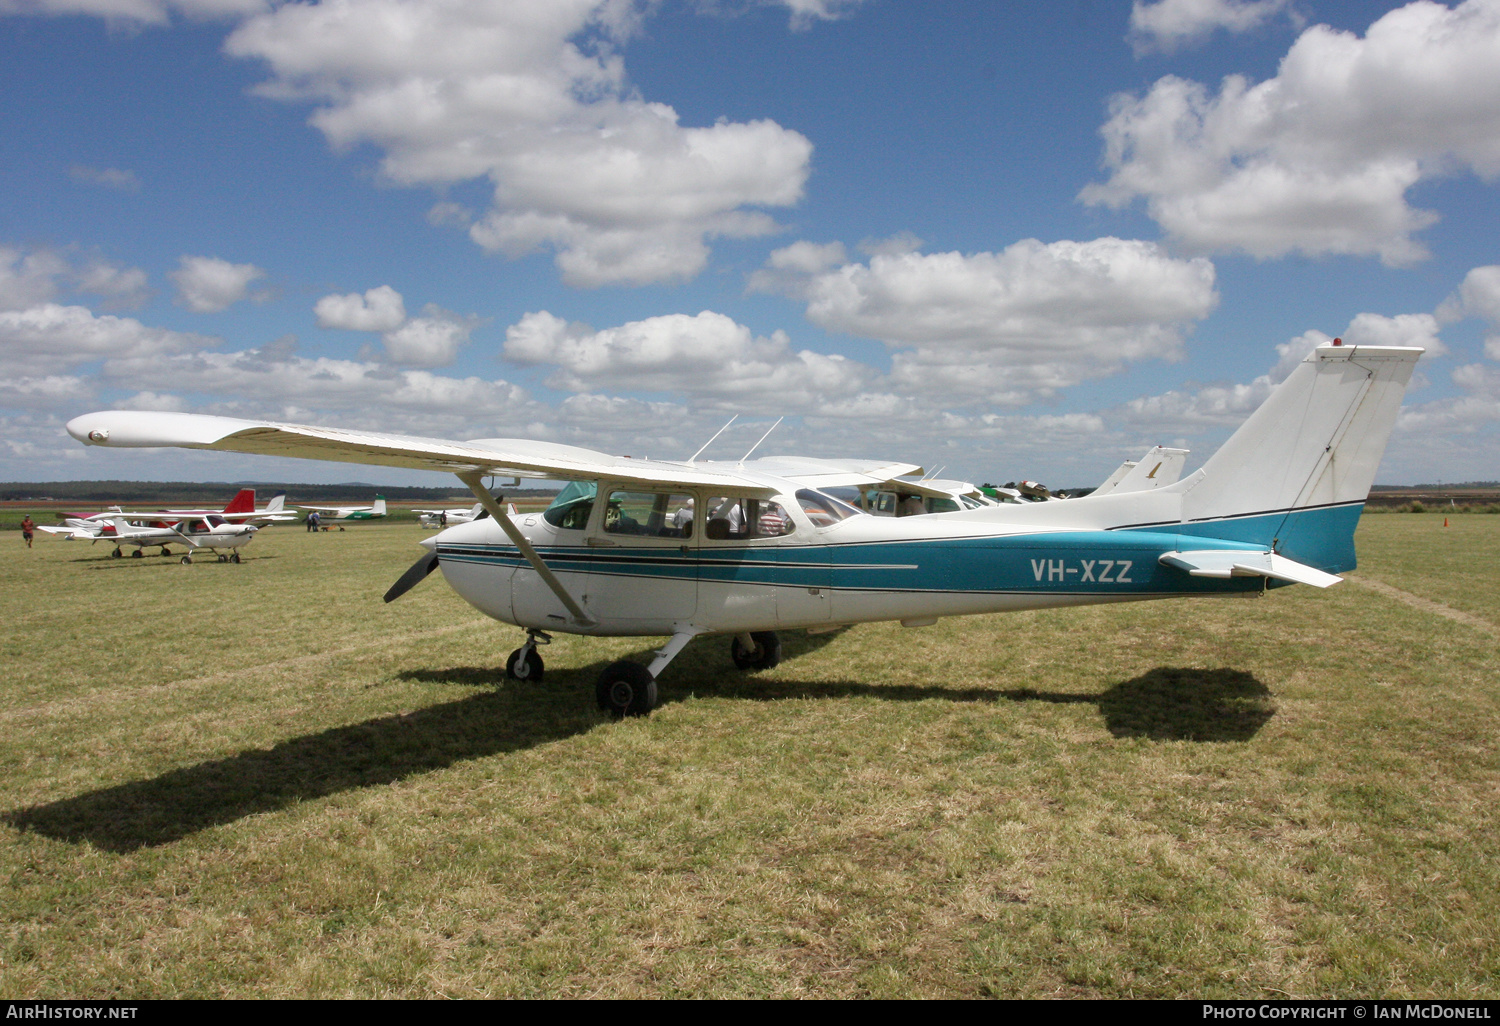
{"x":260,"y":781}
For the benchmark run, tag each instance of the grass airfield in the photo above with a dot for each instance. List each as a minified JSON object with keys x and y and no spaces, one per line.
{"x":258,"y":780}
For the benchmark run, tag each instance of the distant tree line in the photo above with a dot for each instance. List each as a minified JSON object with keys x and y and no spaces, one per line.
{"x":179,"y":493}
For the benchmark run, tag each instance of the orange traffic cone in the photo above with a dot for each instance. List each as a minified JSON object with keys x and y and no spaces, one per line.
{"x":1445,"y":521}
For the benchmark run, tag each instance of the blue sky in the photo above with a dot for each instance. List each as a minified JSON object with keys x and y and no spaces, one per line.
{"x":1010,"y":239}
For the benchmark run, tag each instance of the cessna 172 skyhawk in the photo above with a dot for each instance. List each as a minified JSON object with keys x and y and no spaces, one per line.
{"x":647,"y":547}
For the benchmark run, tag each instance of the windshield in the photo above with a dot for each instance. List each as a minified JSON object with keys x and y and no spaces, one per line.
{"x":822,"y":509}
{"x":572,"y":506}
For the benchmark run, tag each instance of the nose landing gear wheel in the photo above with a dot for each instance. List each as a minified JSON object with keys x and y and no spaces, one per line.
{"x":626,"y":689}
{"x":186,"y":560}
{"x":524,"y":664}
{"x":137,"y":554}
{"x":234,"y":557}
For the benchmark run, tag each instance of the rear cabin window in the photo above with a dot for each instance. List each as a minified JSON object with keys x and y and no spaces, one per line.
{"x":823,"y":509}
{"x":735,"y":517}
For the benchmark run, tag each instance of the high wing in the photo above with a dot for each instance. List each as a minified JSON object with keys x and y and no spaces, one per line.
{"x":812,"y":472}
{"x":509,"y":457}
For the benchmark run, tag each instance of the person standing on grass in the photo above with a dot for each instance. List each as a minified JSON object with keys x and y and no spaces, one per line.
{"x":27,"y":529}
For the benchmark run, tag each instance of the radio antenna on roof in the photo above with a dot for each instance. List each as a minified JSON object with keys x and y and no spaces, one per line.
{"x":762,"y":438}
{"x":717,"y":433}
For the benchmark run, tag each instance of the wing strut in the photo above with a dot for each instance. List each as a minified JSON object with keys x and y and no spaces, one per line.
{"x":475,"y":480}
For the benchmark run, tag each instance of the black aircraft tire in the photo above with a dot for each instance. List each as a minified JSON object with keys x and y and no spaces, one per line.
{"x":137,"y":554}
{"x":626,"y":689}
{"x":530,"y":668}
{"x":186,"y":560}
{"x":765,"y":655}
{"x":234,"y":557}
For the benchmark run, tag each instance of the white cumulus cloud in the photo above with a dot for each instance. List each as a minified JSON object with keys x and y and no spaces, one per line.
{"x":28,"y":279}
{"x":379,"y":309}
{"x":1167,"y":25}
{"x":209,"y":285}
{"x":1319,"y":159}
{"x":432,"y":340}
{"x":147,"y":12}
{"x":532,"y":95}
{"x":706,"y":355}
{"x":1009,"y":326}
{"x":49,"y":339}
{"x":1478,"y":296}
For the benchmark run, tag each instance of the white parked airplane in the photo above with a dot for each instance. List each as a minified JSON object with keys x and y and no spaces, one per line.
{"x":449,"y":517}
{"x":210,"y":532}
{"x":242,"y":509}
{"x":1159,"y":467}
{"x":763,"y":547}
{"x":348,"y":514}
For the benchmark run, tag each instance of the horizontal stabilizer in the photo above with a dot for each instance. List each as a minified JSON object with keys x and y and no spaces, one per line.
{"x":1247,"y":563}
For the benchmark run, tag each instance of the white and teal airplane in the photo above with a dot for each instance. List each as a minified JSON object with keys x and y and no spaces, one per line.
{"x":744,"y":549}
{"x":348,"y":514}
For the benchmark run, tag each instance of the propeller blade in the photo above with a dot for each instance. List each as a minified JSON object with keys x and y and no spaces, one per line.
{"x":413,"y":576}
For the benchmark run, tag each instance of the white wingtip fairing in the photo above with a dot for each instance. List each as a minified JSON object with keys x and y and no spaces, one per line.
{"x":133,"y":429}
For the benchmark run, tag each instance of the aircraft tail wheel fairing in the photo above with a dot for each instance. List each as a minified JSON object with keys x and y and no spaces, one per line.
{"x":524,"y":664}
{"x":763,"y":653}
{"x":626,"y":689}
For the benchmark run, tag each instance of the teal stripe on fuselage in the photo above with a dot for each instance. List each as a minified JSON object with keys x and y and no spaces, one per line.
{"x":1105,"y":563}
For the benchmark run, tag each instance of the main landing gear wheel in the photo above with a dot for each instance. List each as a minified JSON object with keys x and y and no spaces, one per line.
{"x":186,"y":560}
{"x":765,"y":654}
{"x":524,"y":664}
{"x":137,"y":554}
{"x":234,"y":557}
{"x":115,"y":554}
{"x":626,"y":689}
{"x":223,"y":558}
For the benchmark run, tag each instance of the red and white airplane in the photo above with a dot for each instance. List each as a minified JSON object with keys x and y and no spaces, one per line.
{"x":241,"y":508}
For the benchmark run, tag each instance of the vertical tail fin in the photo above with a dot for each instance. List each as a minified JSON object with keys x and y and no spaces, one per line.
{"x":1296,"y":474}
{"x":277,"y":503}
{"x":1157,"y":469}
{"x":379,"y":508}
{"x":243,"y":502}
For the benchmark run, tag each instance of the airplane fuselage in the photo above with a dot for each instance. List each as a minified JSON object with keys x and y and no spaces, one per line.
{"x":864,"y":568}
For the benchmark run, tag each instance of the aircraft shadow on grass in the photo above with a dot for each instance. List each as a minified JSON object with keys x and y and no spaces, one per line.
{"x":1163,"y":704}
